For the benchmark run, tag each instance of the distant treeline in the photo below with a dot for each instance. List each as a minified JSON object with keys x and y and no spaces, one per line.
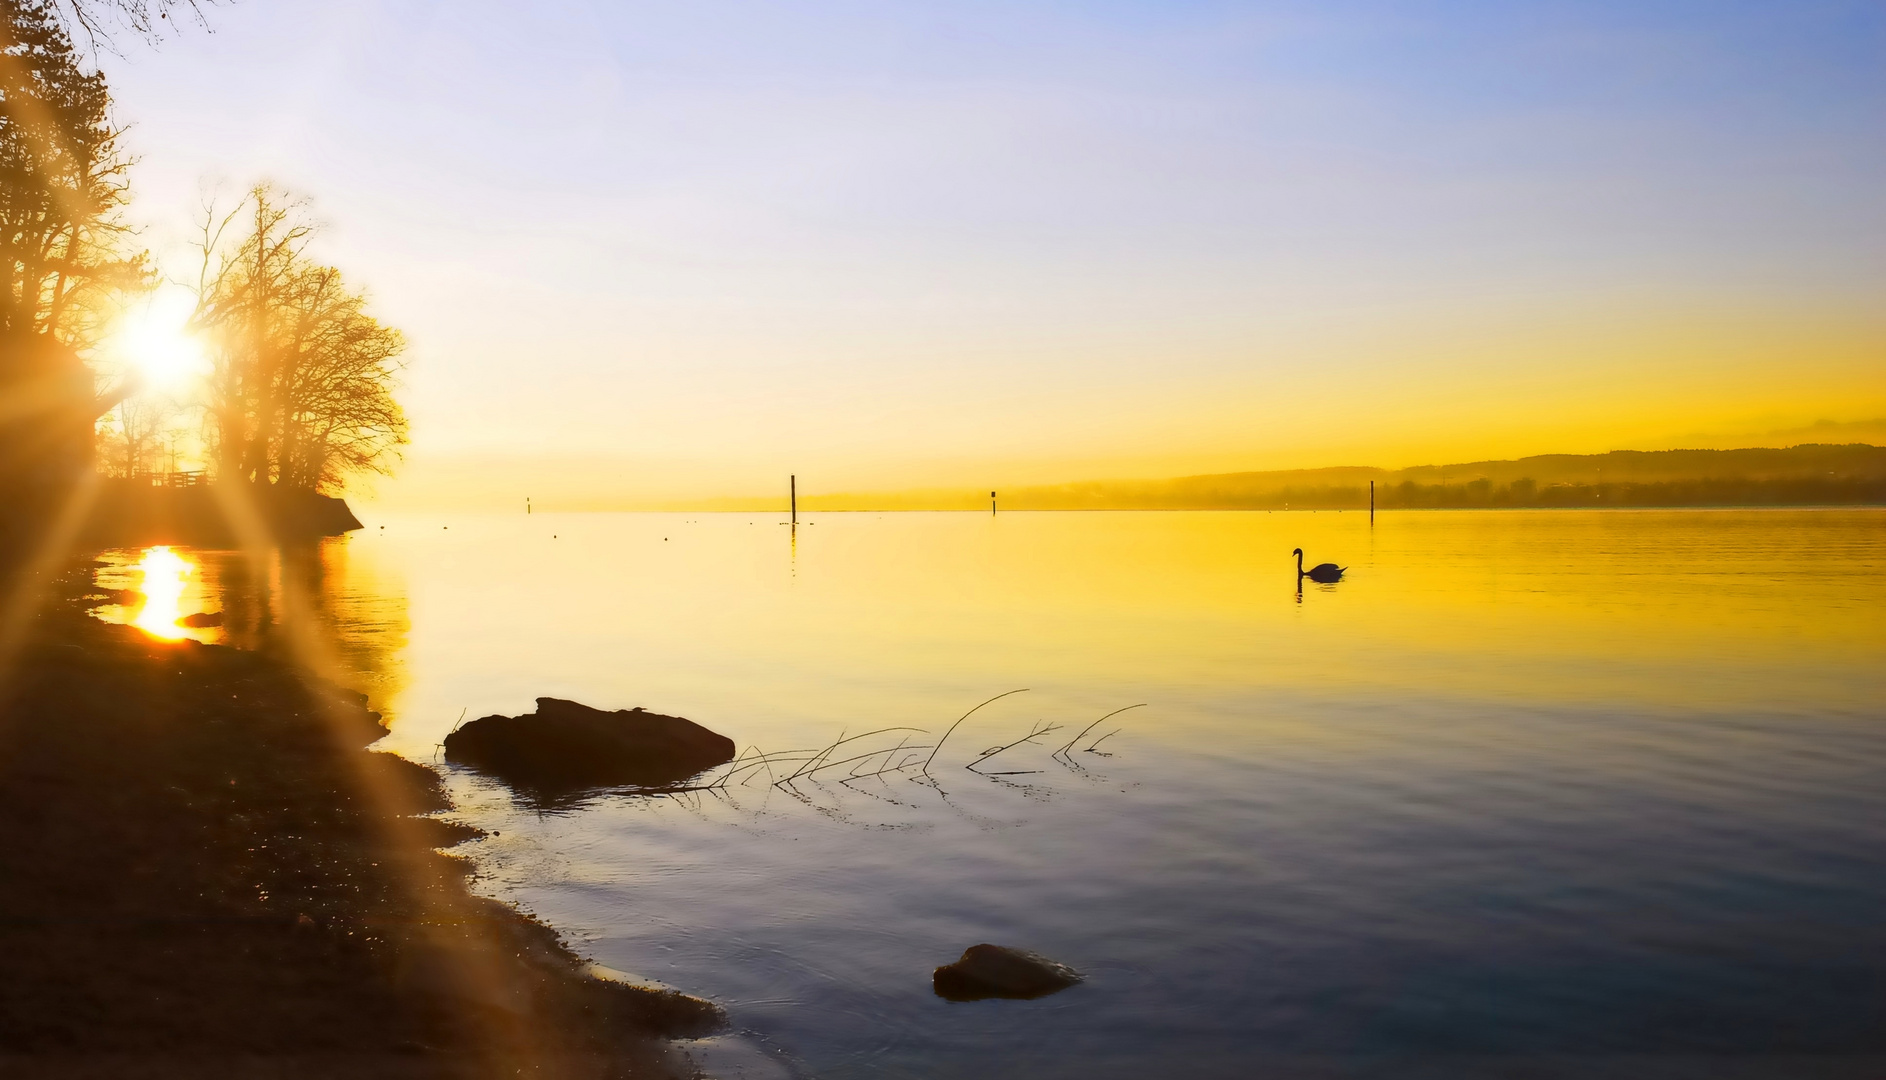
{"x":1526,"y":492}
{"x":1808,"y":475}
{"x":1811,"y":475}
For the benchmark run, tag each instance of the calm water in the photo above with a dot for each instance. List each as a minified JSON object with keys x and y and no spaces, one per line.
{"x":1547,"y":791}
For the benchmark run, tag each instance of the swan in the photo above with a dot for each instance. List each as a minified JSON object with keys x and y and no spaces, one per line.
{"x":1323,"y":573}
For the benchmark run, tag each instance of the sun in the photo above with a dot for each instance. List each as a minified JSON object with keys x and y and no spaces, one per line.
{"x":152,"y":339}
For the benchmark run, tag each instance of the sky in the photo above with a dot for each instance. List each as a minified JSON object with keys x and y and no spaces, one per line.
{"x":654,"y":252}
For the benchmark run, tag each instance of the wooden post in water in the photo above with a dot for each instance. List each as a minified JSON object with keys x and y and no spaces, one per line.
{"x":527,"y":506}
{"x":991,"y":504}
{"x":1371,"y":502}
{"x":795,"y":498}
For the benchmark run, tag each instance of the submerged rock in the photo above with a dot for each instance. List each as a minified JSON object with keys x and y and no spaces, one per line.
{"x":564,"y":745}
{"x":995,"y":971}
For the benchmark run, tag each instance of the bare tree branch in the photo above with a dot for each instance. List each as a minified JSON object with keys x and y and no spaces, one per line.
{"x":102,"y":21}
{"x":959,"y":720}
{"x":301,"y":392}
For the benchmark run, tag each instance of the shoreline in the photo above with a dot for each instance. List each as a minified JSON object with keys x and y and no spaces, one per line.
{"x":209,"y":874}
{"x":490,"y":512}
{"x":128,"y":513}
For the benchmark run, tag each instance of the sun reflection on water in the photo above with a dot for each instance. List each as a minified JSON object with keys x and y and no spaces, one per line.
{"x":164,"y":577}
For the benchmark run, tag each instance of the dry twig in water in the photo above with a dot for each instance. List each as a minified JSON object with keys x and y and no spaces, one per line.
{"x":959,"y":720}
{"x":818,"y":761}
{"x":1062,"y":753}
{"x":1040,"y":728}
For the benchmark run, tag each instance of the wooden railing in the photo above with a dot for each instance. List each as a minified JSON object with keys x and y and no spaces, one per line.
{"x":186,"y":479}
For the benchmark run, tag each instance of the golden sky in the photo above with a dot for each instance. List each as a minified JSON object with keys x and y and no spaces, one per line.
{"x":648,"y":253}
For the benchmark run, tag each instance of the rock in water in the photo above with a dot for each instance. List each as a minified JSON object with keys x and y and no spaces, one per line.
{"x":994,"y":971}
{"x":564,"y":745}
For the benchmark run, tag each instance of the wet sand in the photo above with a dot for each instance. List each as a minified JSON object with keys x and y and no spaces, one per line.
{"x":206,"y":873}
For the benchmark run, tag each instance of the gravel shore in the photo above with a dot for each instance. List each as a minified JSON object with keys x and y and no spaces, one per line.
{"x":208,"y":874}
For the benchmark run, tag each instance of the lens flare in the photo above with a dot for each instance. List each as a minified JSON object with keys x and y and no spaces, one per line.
{"x":165,"y":574}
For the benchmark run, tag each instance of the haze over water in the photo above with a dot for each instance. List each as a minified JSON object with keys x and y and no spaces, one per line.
{"x":1556,"y":786}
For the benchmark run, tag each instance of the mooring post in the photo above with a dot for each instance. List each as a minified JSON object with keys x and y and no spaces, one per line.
{"x":1371,"y":502}
{"x":527,"y":506}
{"x":991,"y":504}
{"x":795,"y":498}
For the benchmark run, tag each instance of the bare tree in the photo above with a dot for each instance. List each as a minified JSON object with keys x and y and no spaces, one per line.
{"x":133,"y":438}
{"x":339,"y":414}
{"x":248,"y":259}
{"x":301,"y":389}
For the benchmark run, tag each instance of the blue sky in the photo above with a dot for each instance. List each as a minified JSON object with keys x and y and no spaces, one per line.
{"x":692,"y":246}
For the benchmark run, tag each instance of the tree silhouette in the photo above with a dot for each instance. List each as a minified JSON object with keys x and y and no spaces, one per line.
{"x":302,"y":381}
{"x":65,"y":258}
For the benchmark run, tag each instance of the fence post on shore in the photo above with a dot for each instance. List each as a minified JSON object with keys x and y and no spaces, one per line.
{"x":794,"y":489}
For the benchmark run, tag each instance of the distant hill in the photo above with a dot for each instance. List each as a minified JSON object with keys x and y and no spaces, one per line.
{"x":1808,"y":475}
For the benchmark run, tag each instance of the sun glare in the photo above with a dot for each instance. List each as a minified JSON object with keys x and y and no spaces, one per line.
{"x":165,"y":573}
{"x":152,"y":340}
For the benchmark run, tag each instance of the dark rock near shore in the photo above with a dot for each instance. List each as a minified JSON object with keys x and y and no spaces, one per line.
{"x":996,"y":971}
{"x":202,"y":619}
{"x":568,"y":746}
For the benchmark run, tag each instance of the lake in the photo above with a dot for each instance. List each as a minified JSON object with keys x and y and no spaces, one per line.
{"x":1572,"y":793}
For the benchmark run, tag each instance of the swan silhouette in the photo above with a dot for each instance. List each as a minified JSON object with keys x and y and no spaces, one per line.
{"x":1323,"y":573}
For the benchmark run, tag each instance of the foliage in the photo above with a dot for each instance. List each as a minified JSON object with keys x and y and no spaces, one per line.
{"x":301,"y":389}
{"x":63,"y":187}
{"x":66,"y":263}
